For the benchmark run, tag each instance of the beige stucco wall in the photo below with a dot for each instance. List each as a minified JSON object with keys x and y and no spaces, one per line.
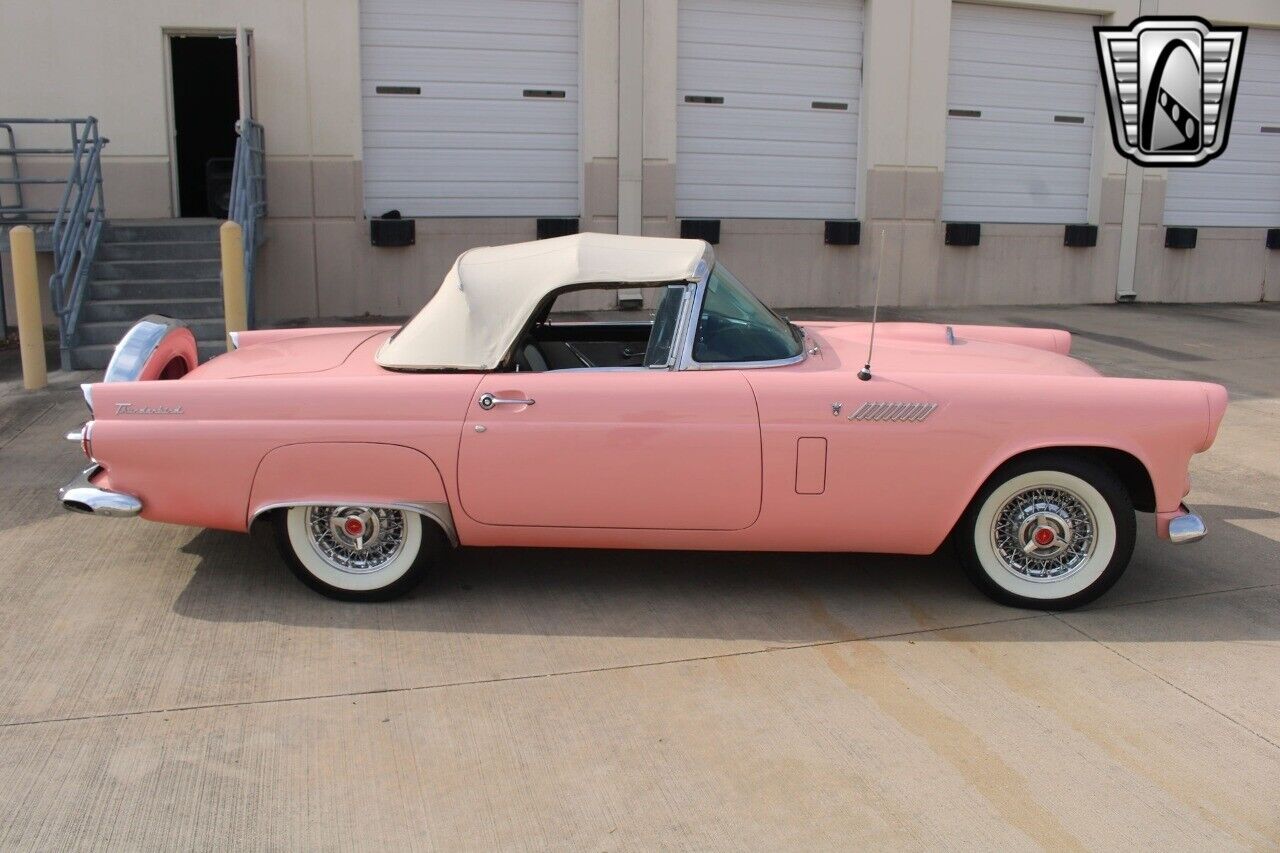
{"x":77,"y":57}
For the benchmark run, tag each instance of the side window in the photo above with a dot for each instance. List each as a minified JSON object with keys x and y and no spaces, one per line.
{"x":735,"y":326}
{"x":665,"y":319}
{"x":583,"y":328}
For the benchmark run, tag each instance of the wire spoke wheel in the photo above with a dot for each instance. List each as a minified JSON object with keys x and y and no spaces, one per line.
{"x":1044,"y":534}
{"x":358,"y":553}
{"x":1048,"y":531}
{"x":356,"y":540}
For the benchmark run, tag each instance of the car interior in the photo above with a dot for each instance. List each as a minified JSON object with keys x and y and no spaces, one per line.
{"x":559,"y":339}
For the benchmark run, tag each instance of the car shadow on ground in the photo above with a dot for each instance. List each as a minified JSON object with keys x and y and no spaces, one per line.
{"x":768,"y":597}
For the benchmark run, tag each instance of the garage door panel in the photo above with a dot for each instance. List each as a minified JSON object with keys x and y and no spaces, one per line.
{"x":398,"y":188}
{"x":741,"y":169}
{"x":843,"y":150}
{"x":1023,"y":71}
{"x":830,"y":51}
{"x":766,"y":151}
{"x":478,"y":115}
{"x":979,"y":156}
{"x":964,"y":135}
{"x":469,"y":138}
{"x":466,"y":66}
{"x":1020,"y":177}
{"x":426,"y":19}
{"x":721,"y":77}
{"x":479,"y":42}
{"x":747,"y":190}
{"x":767,"y":208}
{"x":480,"y":199}
{"x":1047,"y":98}
{"x":1242,"y":186}
{"x":706,"y":121}
{"x":498,"y":16}
{"x":469,"y":142}
{"x":497,"y":166}
{"x":774,"y":14}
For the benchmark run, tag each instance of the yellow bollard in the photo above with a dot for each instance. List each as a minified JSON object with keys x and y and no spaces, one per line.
{"x":235,"y":309}
{"x":26,"y":293}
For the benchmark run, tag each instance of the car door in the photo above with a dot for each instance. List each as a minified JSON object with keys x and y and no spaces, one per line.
{"x":612,"y":449}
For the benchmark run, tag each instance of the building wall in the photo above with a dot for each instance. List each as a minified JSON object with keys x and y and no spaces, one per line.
{"x":78,"y":57}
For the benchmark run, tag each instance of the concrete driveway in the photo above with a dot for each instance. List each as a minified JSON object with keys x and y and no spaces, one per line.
{"x":167,"y":687}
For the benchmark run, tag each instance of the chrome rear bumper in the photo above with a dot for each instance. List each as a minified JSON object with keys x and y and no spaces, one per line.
{"x":1186,"y":527}
{"x":82,"y":496}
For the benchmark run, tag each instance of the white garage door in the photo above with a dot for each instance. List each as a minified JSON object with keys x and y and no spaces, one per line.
{"x":1021,"y":94}
{"x":470,"y":109}
{"x":767,"y":114}
{"x":1241,"y":186}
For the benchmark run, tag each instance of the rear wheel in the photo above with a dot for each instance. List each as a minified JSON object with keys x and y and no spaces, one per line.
{"x":357,"y":553}
{"x":1048,"y":532}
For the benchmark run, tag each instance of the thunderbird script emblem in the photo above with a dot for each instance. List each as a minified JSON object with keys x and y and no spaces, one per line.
{"x":1171,"y":87}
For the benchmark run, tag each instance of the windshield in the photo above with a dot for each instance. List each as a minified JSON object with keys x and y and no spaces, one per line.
{"x":734,"y":326}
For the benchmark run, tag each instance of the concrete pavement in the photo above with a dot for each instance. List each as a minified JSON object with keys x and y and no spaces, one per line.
{"x":165,"y":687}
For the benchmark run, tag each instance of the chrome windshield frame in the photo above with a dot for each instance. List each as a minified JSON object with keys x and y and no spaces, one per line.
{"x":686,"y":361}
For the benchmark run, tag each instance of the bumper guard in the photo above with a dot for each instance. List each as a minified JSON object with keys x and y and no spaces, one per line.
{"x":80,"y":495}
{"x":1186,"y":526}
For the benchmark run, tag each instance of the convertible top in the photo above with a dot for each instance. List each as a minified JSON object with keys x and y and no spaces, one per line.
{"x":488,"y":295}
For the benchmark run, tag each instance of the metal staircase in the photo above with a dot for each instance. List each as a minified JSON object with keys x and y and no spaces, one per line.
{"x":109,"y":275}
{"x":165,"y":266}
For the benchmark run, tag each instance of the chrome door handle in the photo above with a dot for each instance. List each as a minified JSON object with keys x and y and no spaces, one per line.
{"x":488,"y":401}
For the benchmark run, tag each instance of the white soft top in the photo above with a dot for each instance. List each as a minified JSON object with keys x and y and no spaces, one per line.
{"x":488,"y":295}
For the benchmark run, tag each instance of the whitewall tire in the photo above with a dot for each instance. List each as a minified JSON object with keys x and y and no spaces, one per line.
{"x":358,"y":553}
{"x":1049,"y":531}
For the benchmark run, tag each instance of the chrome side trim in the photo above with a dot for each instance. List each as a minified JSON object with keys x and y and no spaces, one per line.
{"x":82,"y":496}
{"x":235,"y":339}
{"x":894,"y":412}
{"x":137,"y":346}
{"x":437,"y":511}
{"x":1187,"y":527}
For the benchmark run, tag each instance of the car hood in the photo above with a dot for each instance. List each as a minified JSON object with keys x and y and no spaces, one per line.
{"x":930,"y":348}
{"x":295,"y":354}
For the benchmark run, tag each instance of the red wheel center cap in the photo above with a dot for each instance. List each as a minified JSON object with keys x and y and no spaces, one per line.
{"x":1043,"y":536}
{"x":353,"y":526}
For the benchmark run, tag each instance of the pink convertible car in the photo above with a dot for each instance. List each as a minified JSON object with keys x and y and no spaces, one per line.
{"x":709,"y":422}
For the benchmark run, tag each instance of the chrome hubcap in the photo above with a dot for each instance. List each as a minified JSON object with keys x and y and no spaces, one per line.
{"x":1044,"y":534}
{"x":356,"y":539}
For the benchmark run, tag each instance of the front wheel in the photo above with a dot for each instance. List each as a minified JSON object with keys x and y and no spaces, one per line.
{"x":356,"y":553}
{"x":1048,"y":532}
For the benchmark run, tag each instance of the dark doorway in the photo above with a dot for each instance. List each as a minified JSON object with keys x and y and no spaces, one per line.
{"x":206,"y":105}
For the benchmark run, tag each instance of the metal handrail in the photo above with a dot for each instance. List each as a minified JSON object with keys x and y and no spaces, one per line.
{"x":248,"y":205}
{"x":15,"y":179}
{"x":77,"y":220}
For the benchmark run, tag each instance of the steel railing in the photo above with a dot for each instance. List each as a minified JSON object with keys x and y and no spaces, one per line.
{"x":249,"y":198}
{"x":77,"y":220}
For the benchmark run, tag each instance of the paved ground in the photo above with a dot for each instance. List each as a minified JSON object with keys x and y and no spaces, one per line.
{"x":166,"y":687}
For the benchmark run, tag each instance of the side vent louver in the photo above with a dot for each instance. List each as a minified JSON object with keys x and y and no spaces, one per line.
{"x":897,"y":412}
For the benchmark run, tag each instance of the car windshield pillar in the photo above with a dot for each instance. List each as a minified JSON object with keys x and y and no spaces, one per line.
{"x":733,"y":328}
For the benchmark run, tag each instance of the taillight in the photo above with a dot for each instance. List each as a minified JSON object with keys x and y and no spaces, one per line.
{"x":85,"y":437}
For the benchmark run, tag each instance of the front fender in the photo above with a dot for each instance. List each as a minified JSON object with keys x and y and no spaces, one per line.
{"x":359,"y":473}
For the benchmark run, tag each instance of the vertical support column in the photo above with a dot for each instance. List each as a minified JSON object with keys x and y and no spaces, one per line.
{"x":630,"y":125}
{"x":235,"y":307}
{"x":1130,"y":224}
{"x":26,"y":295}
{"x":630,"y":113}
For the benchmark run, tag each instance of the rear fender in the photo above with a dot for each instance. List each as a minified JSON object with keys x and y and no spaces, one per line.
{"x":155,"y":347}
{"x":350,"y":473}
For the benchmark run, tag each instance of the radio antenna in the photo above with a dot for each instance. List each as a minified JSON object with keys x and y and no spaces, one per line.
{"x":865,"y":373}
